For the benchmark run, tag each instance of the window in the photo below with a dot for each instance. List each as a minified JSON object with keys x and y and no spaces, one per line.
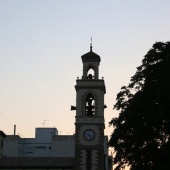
{"x":40,"y":147}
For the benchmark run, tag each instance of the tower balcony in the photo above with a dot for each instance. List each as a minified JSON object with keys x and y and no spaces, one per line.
{"x":90,"y":84}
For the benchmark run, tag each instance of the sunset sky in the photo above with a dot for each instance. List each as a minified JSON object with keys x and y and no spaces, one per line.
{"x":41,"y":43}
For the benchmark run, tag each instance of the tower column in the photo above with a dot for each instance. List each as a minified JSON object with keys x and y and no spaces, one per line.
{"x":89,"y":119}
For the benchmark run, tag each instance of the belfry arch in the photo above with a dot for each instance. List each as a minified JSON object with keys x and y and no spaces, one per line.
{"x":90,"y":72}
{"x":89,"y":105}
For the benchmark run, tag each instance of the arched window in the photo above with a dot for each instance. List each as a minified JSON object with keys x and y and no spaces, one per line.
{"x":90,"y":73}
{"x":89,"y":105}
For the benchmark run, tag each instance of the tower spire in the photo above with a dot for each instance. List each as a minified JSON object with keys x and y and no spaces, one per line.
{"x":91,"y":44}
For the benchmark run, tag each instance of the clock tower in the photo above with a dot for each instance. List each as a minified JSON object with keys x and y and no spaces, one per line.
{"x":89,"y":119}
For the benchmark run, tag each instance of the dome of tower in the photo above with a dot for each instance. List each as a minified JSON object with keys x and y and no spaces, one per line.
{"x":90,"y":56}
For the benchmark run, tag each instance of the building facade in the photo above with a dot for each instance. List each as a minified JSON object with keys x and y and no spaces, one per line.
{"x":40,"y":146}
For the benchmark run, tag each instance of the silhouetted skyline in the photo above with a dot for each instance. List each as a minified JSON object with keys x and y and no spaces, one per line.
{"x":41,"y":43}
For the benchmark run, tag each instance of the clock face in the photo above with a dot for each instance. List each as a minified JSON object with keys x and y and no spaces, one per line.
{"x":89,"y":135}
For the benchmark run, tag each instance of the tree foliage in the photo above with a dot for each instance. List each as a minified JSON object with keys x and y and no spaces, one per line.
{"x":141,"y":136}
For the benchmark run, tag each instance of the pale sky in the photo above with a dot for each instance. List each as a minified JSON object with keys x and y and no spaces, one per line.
{"x":41,"y":43}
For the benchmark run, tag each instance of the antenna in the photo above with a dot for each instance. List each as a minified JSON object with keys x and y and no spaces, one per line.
{"x":44,"y":122}
{"x":14,"y":130}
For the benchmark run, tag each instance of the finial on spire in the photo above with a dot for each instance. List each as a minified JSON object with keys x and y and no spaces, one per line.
{"x":91,"y":45}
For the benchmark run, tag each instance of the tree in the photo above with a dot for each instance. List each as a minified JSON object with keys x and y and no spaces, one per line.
{"x":141,"y":136}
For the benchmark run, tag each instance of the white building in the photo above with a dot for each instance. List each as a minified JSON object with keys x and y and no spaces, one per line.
{"x":47,"y":143}
{"x":40,"y":146}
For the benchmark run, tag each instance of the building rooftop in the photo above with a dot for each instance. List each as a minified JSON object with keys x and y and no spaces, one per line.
{"x":90,"y":56}
{"x":2,"y":134}
{"x":36,"y":162}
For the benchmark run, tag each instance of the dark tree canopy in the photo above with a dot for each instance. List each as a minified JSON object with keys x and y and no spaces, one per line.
{"x":141,"y":136}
